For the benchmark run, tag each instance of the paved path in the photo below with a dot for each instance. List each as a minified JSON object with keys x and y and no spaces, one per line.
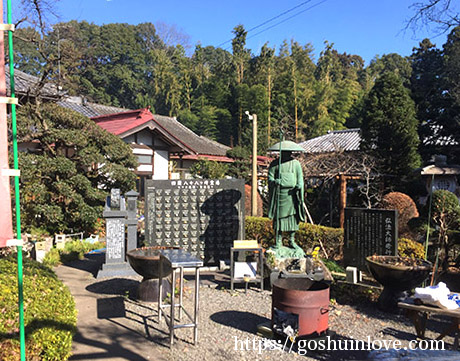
{"x":98,"y":337}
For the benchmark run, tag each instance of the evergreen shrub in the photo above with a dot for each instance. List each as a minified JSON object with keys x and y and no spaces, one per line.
{"x":50,"y":316}
{"x":410,"y":248}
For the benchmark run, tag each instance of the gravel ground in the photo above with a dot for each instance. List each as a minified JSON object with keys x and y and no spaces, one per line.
{"x":228,"y":323}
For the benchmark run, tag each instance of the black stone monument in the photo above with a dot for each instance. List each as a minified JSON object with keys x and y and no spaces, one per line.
{"x":201,"y":216}
{"x":369,"y":232}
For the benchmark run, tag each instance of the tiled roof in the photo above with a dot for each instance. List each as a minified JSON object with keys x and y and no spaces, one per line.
{"x":88,"y":109}
{"x":125,"y":122}
{"x":335,"y":140}
{"x":25,"y":84}
{"x":199,"y":144}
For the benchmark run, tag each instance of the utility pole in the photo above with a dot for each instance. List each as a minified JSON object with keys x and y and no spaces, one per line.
{"x":253,"y":117}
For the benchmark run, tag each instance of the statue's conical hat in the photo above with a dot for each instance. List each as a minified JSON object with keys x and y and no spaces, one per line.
{"x":286,"y":145}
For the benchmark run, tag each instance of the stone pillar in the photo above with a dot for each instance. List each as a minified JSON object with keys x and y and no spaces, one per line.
{"x":115,"y":214}
{"x":131,"y":220}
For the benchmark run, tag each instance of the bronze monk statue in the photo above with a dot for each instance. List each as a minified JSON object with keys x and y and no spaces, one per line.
{"x":286,"y":194}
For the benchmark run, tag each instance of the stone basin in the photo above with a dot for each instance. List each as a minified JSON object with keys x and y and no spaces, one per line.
{"x":146,"y":262}
{"x":396,"y":279}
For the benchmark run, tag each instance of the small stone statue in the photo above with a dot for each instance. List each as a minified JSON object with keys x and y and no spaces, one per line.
{"x":286,"y":192}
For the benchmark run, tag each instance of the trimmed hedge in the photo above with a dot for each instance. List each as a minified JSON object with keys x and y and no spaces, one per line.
{"x":308,"y":236}
{"x":50,"y":316}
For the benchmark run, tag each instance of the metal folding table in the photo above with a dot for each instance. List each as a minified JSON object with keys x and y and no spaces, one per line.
{"x":179,"y":259}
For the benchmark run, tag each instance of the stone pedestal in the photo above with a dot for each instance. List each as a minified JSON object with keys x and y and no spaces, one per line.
{"x":297,"y":267}
{"x":148,"y":289}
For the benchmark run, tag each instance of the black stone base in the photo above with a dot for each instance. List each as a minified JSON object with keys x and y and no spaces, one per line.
{"x":148,"y":289}
{"x":389,"y":298}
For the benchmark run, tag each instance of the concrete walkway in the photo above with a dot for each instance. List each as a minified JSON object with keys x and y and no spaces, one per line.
{"x":99,"y":337}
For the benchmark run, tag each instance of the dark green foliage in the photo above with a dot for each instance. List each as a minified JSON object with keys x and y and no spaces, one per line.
{"x":62,"y":186}
{"x":50,"y":316}
{"x":450,"y":94}
{"x":308,"y":236}
{"x":426,"y":87}
{"x":241,"y":167}
{"x":393,"y":63}
{"x":389,"y":126}
{"x":131,"y":66}
{"x":209,"y":169}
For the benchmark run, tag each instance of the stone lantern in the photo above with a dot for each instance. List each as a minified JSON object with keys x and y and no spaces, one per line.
{"x":441,"y":176}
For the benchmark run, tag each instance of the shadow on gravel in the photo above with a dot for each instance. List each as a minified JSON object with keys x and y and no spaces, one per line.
{"x":402,"y":335}
{"x":115,"y":286}
{"x":112,"y":307}
{"x":330,"y":347}
{"x":435,"y":323}
{"x":244,"y":321}
{"x":335,"y":347}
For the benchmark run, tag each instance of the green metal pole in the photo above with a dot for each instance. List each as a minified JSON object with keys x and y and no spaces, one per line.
{"x":16,"y":189}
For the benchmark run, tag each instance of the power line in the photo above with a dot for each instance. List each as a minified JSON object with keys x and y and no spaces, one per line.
{"x":279,"y":15}
{"x":282,"y":21}
{"x":271,"y":19}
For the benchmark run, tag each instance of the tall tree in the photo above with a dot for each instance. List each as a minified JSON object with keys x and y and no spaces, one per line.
{"x":263,"y":73}
{"x":390,"y":62}
{"x":241,"y":57}
{"x":426,"y":90}
{"x":450,"y":117}
{"x":337,"y":90}
{"x":389,"y":126}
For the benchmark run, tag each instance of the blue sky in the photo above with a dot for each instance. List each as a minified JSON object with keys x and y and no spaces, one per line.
{"x":363,"y":27}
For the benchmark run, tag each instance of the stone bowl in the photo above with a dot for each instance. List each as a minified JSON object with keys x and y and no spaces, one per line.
{"x":146,"y":261}
{"x":391,"y":272}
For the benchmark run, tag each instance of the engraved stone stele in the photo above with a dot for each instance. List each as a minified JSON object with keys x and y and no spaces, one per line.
{"x":369,"y":232}
{"x":196,"y":214}
{"x":117,"y":217}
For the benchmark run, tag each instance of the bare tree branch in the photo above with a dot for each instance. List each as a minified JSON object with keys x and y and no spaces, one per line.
{"x":357,"y":165}
{"x":441,"y":13}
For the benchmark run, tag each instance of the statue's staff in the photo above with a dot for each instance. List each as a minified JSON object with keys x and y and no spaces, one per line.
{"x":278,"y":189}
